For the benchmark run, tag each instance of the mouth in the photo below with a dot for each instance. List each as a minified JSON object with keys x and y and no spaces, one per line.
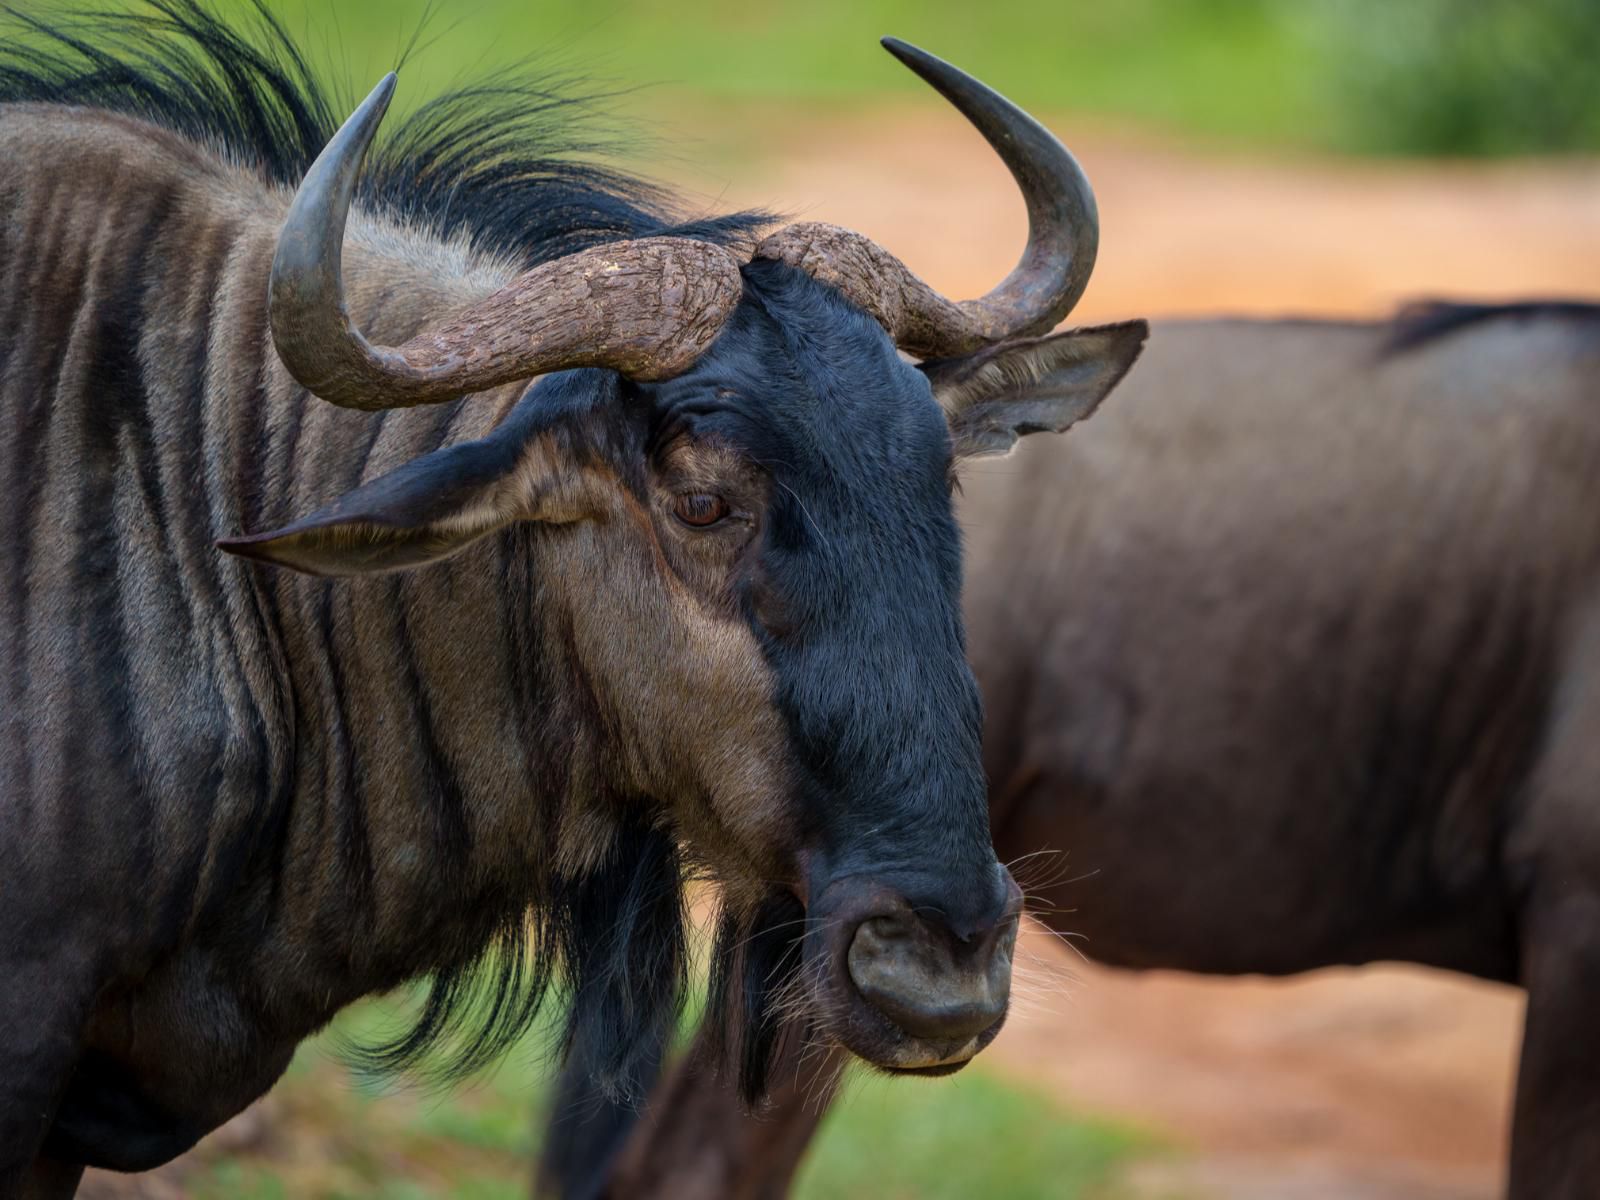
{"x":934,"y":1072}
{"x":932,"y":1060}
{"x":895,"y":1051}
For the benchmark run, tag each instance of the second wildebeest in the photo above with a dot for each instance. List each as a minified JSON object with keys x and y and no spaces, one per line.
{"x":1294,"y":654}
{"x":689,"y":600}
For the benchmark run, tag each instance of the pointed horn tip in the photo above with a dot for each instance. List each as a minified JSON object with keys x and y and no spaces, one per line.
{"x":370,"y":111}
{"x":380,"y":96}
{"x":943,"y":77}
{"x":904,"y":51}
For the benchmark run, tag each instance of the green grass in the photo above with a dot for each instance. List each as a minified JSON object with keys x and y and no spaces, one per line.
{"x":1393,"y":76}
{"x":972,"y":1135}
{"x":1214,"y":66}
{"x":335,"y":1135}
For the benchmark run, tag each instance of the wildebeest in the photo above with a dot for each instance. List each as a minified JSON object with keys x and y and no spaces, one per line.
{"x":1294,"y":653}
{"x":690,"y":601}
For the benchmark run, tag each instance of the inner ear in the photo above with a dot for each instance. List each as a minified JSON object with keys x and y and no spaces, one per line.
{"x":1031,"y":385}
{"x":434,"y":506}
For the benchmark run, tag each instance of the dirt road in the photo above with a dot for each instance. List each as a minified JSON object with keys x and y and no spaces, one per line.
{"x":1388,"y":1083}
{"x":1181,"y":232}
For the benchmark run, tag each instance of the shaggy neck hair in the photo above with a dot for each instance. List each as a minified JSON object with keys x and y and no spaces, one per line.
{"x":490,"y":166}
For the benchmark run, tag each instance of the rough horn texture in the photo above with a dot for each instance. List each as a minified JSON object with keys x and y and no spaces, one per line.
{"x":647,"y":308}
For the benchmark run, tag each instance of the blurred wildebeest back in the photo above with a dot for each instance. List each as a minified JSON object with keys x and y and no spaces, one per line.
{"x":1295,"y":652}
{"x":690,"y":599}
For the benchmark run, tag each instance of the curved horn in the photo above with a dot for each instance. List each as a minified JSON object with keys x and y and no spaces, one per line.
{"x":647,"y":308}
{"x":1063,"y":235}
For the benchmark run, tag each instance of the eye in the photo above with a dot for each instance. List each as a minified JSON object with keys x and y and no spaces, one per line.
{"x":699,"y":509}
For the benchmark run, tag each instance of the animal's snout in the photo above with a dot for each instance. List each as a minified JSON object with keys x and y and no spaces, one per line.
{"x":914,"y":969}
{"x":930,"y":984}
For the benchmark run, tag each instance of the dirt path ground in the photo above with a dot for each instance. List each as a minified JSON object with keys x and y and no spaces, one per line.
{"x":1389,"y":1083}
{"x":1181,"y":232}
{"x":1355,"y":1085}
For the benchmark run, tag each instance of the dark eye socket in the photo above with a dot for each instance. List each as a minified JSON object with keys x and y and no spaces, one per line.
{"x":699,"y":509}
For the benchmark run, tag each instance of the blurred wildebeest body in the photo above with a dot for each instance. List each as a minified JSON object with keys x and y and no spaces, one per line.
{"x":698,"y":601}
{"x":1294,"y":654}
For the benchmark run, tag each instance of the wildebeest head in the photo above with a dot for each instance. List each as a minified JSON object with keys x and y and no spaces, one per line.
{"x":741,"y":491}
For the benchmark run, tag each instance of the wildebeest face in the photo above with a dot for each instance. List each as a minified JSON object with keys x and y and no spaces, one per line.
{"x":852,"y":592}
{"x":745,"y":524}
{"x":755,"y":569}
{"x":800,"y":479}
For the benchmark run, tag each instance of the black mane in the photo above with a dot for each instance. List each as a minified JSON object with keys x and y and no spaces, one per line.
{"x":493,"y":161}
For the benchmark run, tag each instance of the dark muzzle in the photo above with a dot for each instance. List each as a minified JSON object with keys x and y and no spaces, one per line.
{"x":924,"y":986}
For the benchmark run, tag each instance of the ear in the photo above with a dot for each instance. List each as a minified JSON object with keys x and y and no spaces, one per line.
{"x":1030,"y":385}
{"x":431,"y":507}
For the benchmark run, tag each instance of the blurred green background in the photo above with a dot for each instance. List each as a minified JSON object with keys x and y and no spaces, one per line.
{"x":1422,"y":77}
{"x":332,"y":1133}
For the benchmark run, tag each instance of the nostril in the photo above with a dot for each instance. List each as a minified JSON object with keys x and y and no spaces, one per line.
{"x":910,"y":975}
{"x":879,"y":932}
{"x":938,"y":1022}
